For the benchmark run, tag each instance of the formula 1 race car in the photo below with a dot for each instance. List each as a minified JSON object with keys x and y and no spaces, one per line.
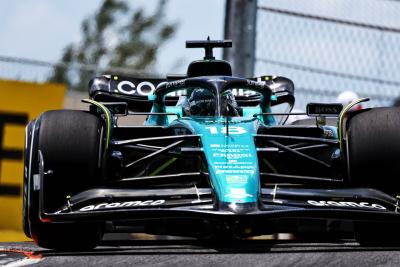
{"x":213,"y":159}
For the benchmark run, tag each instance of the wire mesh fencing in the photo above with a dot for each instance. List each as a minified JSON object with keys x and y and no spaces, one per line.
{"x":30,"y":70}
{"x":12,"y":68}
{"x":331,"y":46}
{"x":325,"y":47}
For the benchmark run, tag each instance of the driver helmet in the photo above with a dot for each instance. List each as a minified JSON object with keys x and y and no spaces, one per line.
{"x":202,"y":103}
{"x":346,"y":98}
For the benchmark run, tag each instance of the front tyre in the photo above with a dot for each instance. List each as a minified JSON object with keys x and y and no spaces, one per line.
{"x":373,"y":148}
{"x":373,"y":153}
{"x":70,"y":142}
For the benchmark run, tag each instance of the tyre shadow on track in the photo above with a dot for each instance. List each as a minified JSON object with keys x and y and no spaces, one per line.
{"x":193,"y":247}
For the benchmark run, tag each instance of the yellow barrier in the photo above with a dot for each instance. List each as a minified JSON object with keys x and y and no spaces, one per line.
{"x":20,"y":102}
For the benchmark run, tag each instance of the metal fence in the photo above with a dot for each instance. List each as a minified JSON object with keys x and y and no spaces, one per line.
{"x":325,"y":47}
{"x":330,"y":46}
{"x":23,"y":69}
{"x":12,"y":68}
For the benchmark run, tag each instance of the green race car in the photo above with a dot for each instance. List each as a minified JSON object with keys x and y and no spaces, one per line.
{"x":213,"y":159}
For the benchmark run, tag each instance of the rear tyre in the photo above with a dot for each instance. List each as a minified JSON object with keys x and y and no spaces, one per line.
{"x":70,"y":144}
{"x":373,"y":148}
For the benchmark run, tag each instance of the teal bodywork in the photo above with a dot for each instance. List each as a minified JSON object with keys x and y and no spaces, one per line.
{"x":231,"y":157}
{"x":227,"y":143}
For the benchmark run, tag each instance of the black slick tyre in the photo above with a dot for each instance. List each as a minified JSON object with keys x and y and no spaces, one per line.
{"x":373,"y":149}
{"x":70,"y":142}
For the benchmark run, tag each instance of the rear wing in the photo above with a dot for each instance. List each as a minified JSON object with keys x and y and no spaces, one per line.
{"x":135,"y":91}
{"x":282,"y":91}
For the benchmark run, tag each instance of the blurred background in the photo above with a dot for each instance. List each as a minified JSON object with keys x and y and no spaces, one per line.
{"x":325,"y":47}
{"x":49,"y":50}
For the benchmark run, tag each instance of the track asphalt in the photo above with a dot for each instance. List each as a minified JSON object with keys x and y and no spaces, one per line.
{"x":200,"y":253}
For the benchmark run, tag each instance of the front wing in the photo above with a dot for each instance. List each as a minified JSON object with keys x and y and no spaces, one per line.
{"x":198,"y":203}
{"x":274,"y":203}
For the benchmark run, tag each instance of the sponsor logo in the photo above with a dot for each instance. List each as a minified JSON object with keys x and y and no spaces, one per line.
{"x":137,"y":203}
{"x":323,"y":203}
{"x":328,"y":133}
{"x":177,"y":83}
{"x":242,"y":92}
{"x":323,"y":109}
{"x":217,"y":80}
{"x":129,"y":88}
{"x":326,"y":110}
{"x":238,"y":193}
{"x":222,"y":130}
{"x":236,"y":179}
{"x":255,"y":84}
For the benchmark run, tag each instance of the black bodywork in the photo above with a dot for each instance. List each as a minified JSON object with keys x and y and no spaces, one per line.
{"x":308,"y":182}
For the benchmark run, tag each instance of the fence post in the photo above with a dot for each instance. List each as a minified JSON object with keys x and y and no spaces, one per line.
{"x":240,"y":26}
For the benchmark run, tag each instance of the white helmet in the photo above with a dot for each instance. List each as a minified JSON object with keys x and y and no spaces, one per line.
{"x":346,"y":98}
{"x":293,"y":118}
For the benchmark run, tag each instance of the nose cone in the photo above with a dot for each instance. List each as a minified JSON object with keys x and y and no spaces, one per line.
{"x":232,"y":162}
{"x":239,"y":208}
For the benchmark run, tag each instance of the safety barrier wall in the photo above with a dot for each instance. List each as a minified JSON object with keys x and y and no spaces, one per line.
{"x":20,"y":102}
